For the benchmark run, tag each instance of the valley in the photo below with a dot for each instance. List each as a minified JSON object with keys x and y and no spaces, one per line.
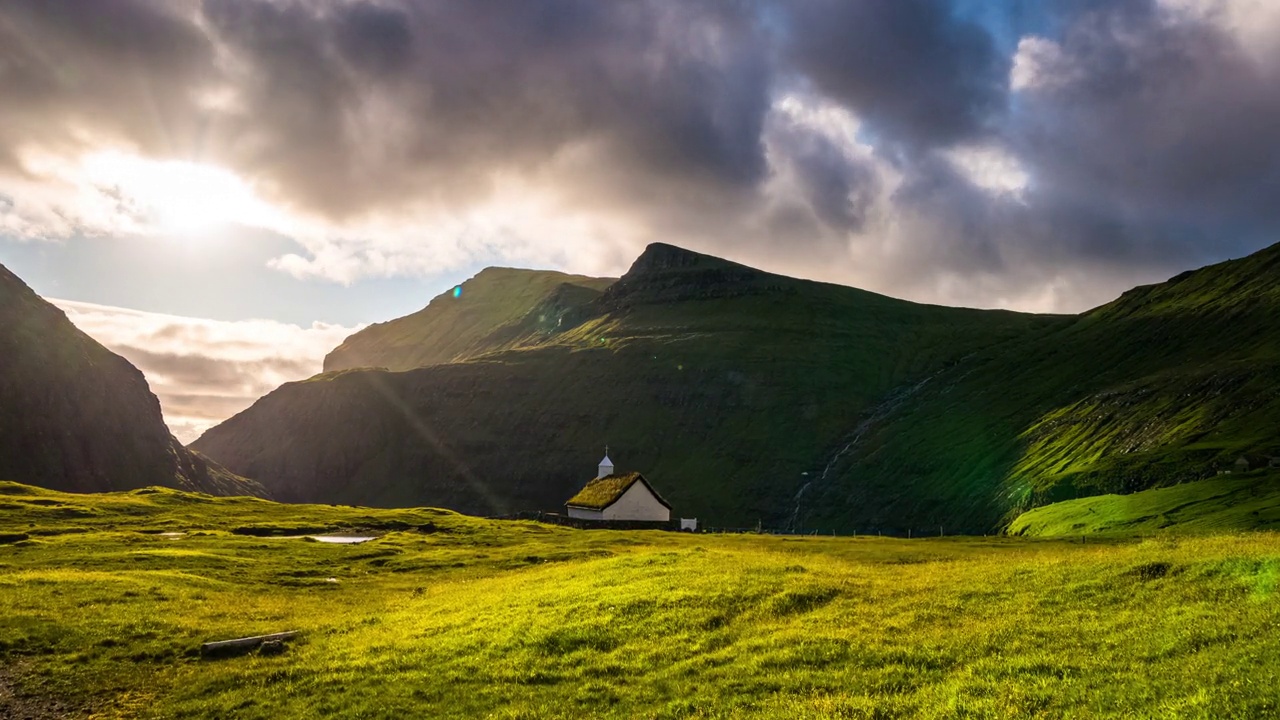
{"x":662,"y":360}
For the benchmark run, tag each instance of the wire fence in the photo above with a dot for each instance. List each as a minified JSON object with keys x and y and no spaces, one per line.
{"x":674,"y":525}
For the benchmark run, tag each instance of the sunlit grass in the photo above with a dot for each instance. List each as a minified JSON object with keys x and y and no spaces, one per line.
{"x":483,"y":619}
{"x":1222,"y":504}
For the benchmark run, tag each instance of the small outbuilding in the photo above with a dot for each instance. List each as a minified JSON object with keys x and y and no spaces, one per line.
{"x":1242,"y":464}
{"x":619,"y":497}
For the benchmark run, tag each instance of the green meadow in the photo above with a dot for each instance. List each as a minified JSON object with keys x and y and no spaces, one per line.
{"x":444,"y":615}
{"x":1222,"y":504}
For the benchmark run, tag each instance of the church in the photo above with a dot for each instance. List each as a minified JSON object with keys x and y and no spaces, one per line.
{"x":610,"y":496}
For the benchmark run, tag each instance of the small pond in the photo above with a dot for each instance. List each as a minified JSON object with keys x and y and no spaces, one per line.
{"x":342,"y":539}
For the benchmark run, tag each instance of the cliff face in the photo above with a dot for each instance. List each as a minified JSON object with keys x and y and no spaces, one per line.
{"x":76,"y":417}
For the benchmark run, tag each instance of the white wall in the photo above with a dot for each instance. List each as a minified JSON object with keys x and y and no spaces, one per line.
{"x":637,"y":503}
{"x":584,"y":514}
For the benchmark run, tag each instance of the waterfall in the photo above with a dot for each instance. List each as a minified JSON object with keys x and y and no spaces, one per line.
{"x":878,"y":413}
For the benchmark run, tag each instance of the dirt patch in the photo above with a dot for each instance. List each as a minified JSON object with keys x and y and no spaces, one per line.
{"x":1153,"y":571}
{"x":22,"y":706}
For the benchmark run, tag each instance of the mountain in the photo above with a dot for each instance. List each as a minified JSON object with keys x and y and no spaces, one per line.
{"x":76,"y":417}
{"x":1169,"y":384}
{"x":487,"y":312}
{"x":730,"y":388}
{"x":753,"y":398}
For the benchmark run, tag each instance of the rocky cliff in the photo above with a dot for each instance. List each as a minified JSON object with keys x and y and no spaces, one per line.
{"x":76,"y":417}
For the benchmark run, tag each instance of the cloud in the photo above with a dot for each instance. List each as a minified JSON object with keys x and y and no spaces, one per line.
{"x":1170,"y":119}
{"x":205,"y":371}
{"x":1139,"y":141}
{"x":367,"y":123}
{"x":898,"y":145}
{"x":73,"y":73}
{"x":349,"y":106}
{"x":913,"y":68}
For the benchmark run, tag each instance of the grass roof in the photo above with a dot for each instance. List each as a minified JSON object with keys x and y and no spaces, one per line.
{"x":602,"y":492}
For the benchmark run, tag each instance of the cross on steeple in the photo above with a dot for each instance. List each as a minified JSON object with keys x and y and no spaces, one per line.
{"x":606,"y":465}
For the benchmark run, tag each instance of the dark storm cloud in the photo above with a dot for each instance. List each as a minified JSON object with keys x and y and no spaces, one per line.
{"x":839,"y":189}
{"x":1152,"y":144}
{"x":963,"y":244}
{"x":126,"y":67}
{"x":1173,"y":122}
{"x":375,"y":40}
{"x":912,"y":68}
{"x":1151,"y":141}
{"x":966,"y":217}
{"x":345,"y":107}
{"x":354,"y":104}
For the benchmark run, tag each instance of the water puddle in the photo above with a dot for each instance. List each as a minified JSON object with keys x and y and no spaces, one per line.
{"x":342,"y":539}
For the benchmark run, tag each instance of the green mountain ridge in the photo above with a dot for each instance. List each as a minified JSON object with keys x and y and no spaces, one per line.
{"x":723,"y":384}
{"x":1168,"y":384}
{"x":77,"y":417}
{"x":751,"y":398}
{"x":495,"y":313}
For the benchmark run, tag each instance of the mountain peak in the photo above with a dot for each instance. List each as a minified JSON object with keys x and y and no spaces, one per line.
{"x":665,"y":273}
{"x":659,"y":257}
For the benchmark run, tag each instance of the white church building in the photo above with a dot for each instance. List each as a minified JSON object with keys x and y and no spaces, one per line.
{"x":618,"y":497}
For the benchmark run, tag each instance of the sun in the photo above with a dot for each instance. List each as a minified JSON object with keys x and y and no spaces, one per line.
{"x":178,"y":198}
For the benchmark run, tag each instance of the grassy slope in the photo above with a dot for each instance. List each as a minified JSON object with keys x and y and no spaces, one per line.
{"x":484,"y":619}
{"x":1168,"y":384}
{"x":455,"y":328}
{"x":75,"y":416}
{"x":722,"y":384}
{"x":1220,"y":504}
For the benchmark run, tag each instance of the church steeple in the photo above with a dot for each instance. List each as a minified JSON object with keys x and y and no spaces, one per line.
{"x":606,"y":465}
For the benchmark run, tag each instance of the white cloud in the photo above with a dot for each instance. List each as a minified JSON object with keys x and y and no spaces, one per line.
{"x":991,"y":168}
{"x":824,"y":116}
{"x":1254,"y":23}
{"x":1038,"y":62}
{"x":205,"y":371}
{"x":112,"y":192}
{"x":520,"y":221}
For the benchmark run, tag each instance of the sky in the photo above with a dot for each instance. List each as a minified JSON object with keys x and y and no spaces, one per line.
{"x":221,"y":190}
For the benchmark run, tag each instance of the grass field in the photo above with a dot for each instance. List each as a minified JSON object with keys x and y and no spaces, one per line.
{"x":449,"y":616}
{"x":1221,"y":504}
